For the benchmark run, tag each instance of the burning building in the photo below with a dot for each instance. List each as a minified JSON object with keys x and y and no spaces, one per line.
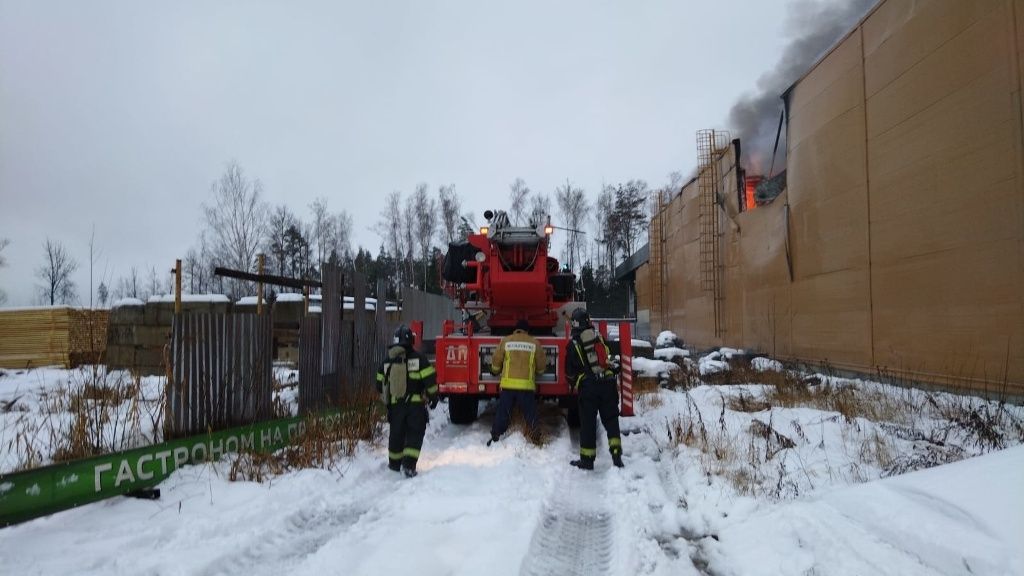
{"x":895,"y":239}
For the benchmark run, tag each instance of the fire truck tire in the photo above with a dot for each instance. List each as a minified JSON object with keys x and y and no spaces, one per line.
{"x":463,"y":409}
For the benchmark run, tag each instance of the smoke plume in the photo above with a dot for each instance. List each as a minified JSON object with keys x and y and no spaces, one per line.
{"x":815,"y":26}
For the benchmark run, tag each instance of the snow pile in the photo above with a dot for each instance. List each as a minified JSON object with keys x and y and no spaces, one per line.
{"x":712,"y":364}
{"x":671,"y":353}
{"x":640,"y":343}
{"x":290,"y":297}
{"x":667,"y":339}
{"x":762,"y":364}
{"x":653,"y":368}
{"x":957,"y":519}
{"x":127,"y":302}
{"x":169,"y":298}
{"x":728,"y":353}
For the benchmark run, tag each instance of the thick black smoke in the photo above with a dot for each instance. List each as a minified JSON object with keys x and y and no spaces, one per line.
{"x":815,"y":25}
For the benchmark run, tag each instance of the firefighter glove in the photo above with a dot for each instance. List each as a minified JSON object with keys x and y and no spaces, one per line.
{"x":614,"y":365}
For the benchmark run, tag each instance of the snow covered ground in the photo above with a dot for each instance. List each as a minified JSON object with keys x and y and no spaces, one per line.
{"x":715,"y":483}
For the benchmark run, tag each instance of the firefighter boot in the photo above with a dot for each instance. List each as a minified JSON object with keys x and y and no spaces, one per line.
{"x":617,"y":460}
{"x":395,"y":465}
{"x":584,"y":463}
{"x":409,"y":466}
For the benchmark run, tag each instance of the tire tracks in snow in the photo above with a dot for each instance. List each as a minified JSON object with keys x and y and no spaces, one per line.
{"x":280,"y":545}
{"x":575,"y":533}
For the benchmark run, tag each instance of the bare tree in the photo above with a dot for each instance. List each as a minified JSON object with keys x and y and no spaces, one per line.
{"x":3,"y":262}
{"x":128,"y":286}
{"x":236,"y":222}
{"x":450,"y":205}
{"x":572,"y":210}
{"x":276,"y":243}
{"x":390,"y":228}
{"x":341,"y":242}
{"x":197,"y":269}
{"x":321,"y":230}
{"x":154,"y":286}
{"x":425,"y":224}
{"x":540,"y":207}
{"x":94,"y":253}
{"x":670,"y":189}
{"x":103,"y":294}
{"x":517,"y":194}
{"x":605,"y":240}
{"x":409,"y":237}
{"x":57,"y":286}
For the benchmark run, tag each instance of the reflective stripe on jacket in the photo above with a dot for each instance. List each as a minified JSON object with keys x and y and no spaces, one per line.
{"x":520,"y":357}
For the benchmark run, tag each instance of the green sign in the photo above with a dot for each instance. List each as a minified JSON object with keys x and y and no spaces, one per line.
{"x":33,"y":493}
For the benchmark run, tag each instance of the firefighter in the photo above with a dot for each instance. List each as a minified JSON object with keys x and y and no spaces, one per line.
{"x":519,"y":357}
{"x":405,"y":381}
{"x":592,"y":373}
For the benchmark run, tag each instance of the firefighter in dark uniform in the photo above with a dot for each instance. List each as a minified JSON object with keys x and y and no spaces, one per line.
{"x":406,"y":380}
{"x":519,"y":357}
{"x":591,"y":372}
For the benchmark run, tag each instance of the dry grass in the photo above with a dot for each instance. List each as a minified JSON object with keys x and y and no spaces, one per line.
{"x":875,"y":423}
{"x":321,"y":443}
{"x":94,"y":412}
{"x":645,"y":392}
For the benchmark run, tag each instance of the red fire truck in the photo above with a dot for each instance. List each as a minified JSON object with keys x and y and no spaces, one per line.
{"x":497,"y":277}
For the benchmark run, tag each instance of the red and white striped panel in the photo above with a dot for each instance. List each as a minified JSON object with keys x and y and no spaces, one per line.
{"x":626,"y":375}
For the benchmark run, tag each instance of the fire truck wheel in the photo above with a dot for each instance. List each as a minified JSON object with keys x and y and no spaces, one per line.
{"x":462,"y":409}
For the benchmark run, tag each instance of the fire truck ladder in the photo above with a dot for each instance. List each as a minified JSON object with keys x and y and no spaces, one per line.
{"x":709,"y":146}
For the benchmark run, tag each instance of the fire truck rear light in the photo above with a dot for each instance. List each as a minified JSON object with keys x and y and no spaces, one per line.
{"x":484,"y":230}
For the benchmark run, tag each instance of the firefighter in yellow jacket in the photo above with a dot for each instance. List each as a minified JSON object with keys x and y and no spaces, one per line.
{"x":519,"y":357}
{"x":406,"y":380}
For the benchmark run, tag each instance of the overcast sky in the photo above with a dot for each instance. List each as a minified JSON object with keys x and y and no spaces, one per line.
{"x":120,"y":115}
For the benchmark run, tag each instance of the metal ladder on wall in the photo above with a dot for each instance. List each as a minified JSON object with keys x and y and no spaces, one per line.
{"x":657,"y":263}
{"x":709,"y":146}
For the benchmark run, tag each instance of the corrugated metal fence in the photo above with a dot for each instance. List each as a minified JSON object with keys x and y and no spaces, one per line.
{"x":221,"y":372}
{"x":432,"y":309}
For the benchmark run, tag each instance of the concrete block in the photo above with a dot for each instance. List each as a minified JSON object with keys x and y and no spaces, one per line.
{"x":130,"y":314}
{"x":152,"y":336}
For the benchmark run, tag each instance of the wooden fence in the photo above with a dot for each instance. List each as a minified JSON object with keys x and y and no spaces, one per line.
{"x":222,"y":372}
{"x":49,"y":336}
{"x":338,"y":350}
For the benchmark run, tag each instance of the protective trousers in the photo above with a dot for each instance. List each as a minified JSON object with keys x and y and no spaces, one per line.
{"x":526,"y":399}
{"x":599,"y":397}
{"x":408,"y":423}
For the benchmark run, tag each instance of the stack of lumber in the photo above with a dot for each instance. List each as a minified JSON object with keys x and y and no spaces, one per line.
{"x":48,"y":336}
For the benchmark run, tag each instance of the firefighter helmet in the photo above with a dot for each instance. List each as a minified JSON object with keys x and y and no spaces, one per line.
{"x":580,"y":319}
{"x":404,"y":336}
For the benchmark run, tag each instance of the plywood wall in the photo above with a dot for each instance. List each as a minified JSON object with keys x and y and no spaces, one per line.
{"x":900,"y":240}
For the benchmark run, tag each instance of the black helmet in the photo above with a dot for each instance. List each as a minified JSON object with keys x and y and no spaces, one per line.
{"x":404,"y":336}
{"x":580,"y":319}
